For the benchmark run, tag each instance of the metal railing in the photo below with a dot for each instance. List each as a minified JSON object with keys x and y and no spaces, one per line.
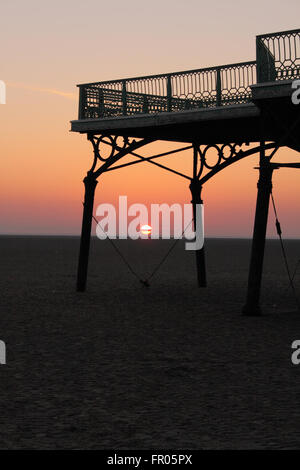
{"x":278,"y":58}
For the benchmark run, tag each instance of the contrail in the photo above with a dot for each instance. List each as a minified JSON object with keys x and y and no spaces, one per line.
{"x":52,"y":91}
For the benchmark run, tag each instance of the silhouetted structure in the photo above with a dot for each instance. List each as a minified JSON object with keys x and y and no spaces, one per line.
{"x":221,"y":109}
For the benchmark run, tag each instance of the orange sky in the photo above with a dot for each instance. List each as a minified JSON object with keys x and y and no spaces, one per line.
{"x":50,"y":48}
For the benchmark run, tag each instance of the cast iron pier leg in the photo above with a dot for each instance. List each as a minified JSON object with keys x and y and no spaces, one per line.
{"x":90,"y":184}
{"x":264,"y":186}
{"x":196,"y":189}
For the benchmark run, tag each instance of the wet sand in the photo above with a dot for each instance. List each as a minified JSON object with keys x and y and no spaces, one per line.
{"x":126,"y":367}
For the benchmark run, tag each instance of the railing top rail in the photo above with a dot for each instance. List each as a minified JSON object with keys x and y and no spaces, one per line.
{"x":170,"y":74}
{"x":280,"y":33}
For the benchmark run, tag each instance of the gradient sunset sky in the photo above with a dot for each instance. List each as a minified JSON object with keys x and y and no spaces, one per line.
{"x":49,"y":47}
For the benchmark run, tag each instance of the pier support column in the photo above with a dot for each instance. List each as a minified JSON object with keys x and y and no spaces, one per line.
{"x":90,"y":184}
{"x":196,"y":189}
{"x":264,"y":186}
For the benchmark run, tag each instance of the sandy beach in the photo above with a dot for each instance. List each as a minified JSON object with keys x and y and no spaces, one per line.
{"x":125,"y":367}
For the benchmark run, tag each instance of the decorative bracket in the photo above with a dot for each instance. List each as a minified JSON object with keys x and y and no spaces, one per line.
{"x":225,"y":155}
{"x":109,"y":149}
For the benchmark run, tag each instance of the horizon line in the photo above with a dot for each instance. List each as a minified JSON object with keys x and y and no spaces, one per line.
{"x":214,"y":237}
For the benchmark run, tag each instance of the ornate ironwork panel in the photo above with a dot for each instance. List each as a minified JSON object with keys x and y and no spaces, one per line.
{"x":278,"y":56}
{"x":203,"y":88}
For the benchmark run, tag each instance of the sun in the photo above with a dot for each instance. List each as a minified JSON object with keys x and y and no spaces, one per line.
{"x":146,"y":229}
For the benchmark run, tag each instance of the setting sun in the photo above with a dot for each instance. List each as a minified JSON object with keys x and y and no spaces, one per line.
{"x":146,"y":229}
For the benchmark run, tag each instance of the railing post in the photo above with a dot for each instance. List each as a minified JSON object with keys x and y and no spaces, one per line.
{"x":258,"y":60}
{"x":81,"y":103}
{"x":124,"y":97}
{"x":169,"y":94}
{"x":145,"y":105}
{"x":219,"y":87}
{"x":265,"y":63}
{"x":101,"y":102}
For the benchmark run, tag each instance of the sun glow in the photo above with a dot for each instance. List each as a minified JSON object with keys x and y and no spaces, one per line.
{"x":146,"y":229}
